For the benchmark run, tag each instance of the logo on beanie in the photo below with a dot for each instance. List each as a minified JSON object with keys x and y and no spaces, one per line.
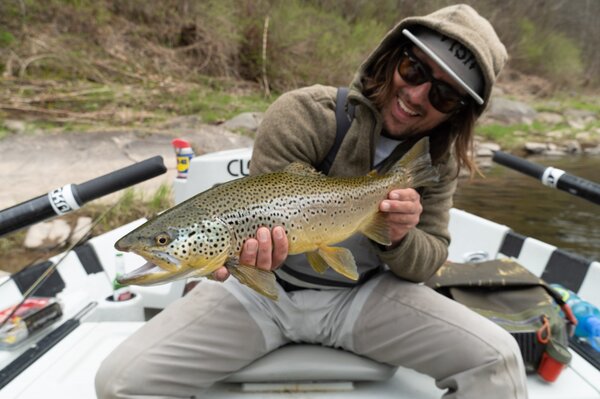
{"x":460,"y":52}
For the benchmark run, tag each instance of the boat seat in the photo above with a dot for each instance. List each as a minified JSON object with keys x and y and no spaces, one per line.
{"x":307,"y":362}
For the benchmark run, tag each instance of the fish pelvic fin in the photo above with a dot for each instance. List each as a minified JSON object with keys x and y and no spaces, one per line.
{"x":259,"y":280}
{"x":376,"y":228}
{"x":339,"y":259}
{"x":317,"y":262}
{"x":415,"y":166}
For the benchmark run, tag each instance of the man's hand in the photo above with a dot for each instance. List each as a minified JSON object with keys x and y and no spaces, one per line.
{"x":267,"y":251}
{"x":403,"y":211}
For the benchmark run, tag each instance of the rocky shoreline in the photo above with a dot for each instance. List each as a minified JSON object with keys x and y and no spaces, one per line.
{"x":570,"y":132}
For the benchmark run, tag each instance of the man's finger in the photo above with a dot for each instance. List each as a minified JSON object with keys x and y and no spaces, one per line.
{"x":264,"y":257}
{"x":249,"y":251}
{"x":280,"y":247}
{"x":221,"y":274}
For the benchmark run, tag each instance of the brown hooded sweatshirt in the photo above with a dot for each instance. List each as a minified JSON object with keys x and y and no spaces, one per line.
{"x":301,"y":125}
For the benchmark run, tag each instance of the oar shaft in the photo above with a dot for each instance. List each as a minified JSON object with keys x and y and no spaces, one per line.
{"x":552,"y":177}
{"x":70,"y":197}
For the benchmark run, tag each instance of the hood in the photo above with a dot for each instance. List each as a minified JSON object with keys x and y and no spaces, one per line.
{"x":459,"y":22}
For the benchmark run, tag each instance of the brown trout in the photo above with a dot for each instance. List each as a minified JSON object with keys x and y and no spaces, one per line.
{"x":208,"y":230}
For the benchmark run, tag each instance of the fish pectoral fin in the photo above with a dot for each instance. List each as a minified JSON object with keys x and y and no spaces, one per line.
{"x":259,"y":280}
{"x":376,"y":228}
{"x":339,"y":259}
{"x":316,"y":261}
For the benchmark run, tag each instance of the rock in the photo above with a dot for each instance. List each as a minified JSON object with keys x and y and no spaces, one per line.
{"x":14,"y":125}
{"x":550,"y":118}
{"x":82,"y":228}
{"x":536,"y":148}
{"x":579,"y":119}
{"x":486,"y":149}
{"x":510,"y":112}
{"x":556,"y":134}
{"x":576,"y":124}
{"x":484,"y":163}
{"x":583,"y":136}
{"x":555,"y":152}
{"x":47,"y":234}
{"x":572,"y":147}
{"x":592,"y":151}
{"x":246,"y":121}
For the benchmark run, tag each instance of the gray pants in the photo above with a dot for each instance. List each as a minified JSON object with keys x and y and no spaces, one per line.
{"x":219,"y":328}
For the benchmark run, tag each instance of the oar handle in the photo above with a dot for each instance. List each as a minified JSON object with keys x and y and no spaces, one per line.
{"x":551,"y":177}
{"x":72,"y":196}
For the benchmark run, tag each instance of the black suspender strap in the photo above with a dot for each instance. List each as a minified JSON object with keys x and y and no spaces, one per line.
{"x":343,"y":119}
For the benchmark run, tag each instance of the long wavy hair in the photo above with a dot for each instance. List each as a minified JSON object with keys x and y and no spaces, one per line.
{"x":456,"y":131}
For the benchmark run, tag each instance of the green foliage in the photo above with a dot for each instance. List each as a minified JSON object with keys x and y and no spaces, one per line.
{"x":218,"y":105}
{"x":307,"y":45}
{"x":161,"y":199}
{"x":173,"y":57}
{"x":551,"y":54}
{"x":6,"y":39}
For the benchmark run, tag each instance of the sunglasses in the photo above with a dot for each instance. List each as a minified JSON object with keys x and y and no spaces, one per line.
{"x":442,"y":96}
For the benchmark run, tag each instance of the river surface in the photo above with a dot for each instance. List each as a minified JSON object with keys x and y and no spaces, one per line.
{"x":534,"y":210}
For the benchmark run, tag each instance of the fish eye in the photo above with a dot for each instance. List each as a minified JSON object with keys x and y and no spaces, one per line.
{"x":162,"y":239}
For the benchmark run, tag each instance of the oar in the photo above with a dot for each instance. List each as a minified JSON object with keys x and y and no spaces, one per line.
{"x":70,"y":197}
{"x":551,"y":177}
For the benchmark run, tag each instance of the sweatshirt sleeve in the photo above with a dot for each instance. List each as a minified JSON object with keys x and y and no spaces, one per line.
{"x":425,"y":248}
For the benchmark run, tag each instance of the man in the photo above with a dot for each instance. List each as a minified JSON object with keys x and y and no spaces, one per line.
{"x":430,"y":76}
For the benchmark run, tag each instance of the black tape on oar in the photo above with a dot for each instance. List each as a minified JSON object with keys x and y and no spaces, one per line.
{"x":551,"y":177}
{"x":72,"y":196}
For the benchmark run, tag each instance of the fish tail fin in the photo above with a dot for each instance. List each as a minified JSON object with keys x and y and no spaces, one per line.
{"x":415,"y":166}
{"x":259,"y":280}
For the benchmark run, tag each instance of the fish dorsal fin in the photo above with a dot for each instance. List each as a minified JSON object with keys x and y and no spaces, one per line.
{"x":339,"y":259}
{"x":300,"y":168}
{"x":259,"y":280}
{"x":377,"y":229}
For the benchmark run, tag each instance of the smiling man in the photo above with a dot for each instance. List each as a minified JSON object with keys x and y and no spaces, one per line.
{"x":430,"y":76}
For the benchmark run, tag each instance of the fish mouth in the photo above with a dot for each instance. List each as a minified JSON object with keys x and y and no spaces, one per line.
{"x":151,"y":274}
{"x":160,"y":259}
{"x":165,"y":261}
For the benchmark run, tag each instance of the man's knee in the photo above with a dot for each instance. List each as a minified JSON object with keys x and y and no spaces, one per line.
{"x":105,"y":378}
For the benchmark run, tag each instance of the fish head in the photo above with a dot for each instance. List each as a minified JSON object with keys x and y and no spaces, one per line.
{"x":175,"y":251}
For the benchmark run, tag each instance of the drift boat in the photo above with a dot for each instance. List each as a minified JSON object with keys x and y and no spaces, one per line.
{"x":61,"y":360}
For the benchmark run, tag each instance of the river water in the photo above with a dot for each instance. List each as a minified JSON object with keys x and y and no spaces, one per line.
{"x":534,"y":210}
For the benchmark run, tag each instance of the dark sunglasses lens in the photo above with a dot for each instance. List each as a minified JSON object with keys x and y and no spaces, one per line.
{"x":411,"y":72}
{"x":444,"y":98}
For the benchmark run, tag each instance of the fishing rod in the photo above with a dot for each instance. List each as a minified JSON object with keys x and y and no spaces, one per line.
{"x":551,"y":177}
{"x":68,"y":198}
